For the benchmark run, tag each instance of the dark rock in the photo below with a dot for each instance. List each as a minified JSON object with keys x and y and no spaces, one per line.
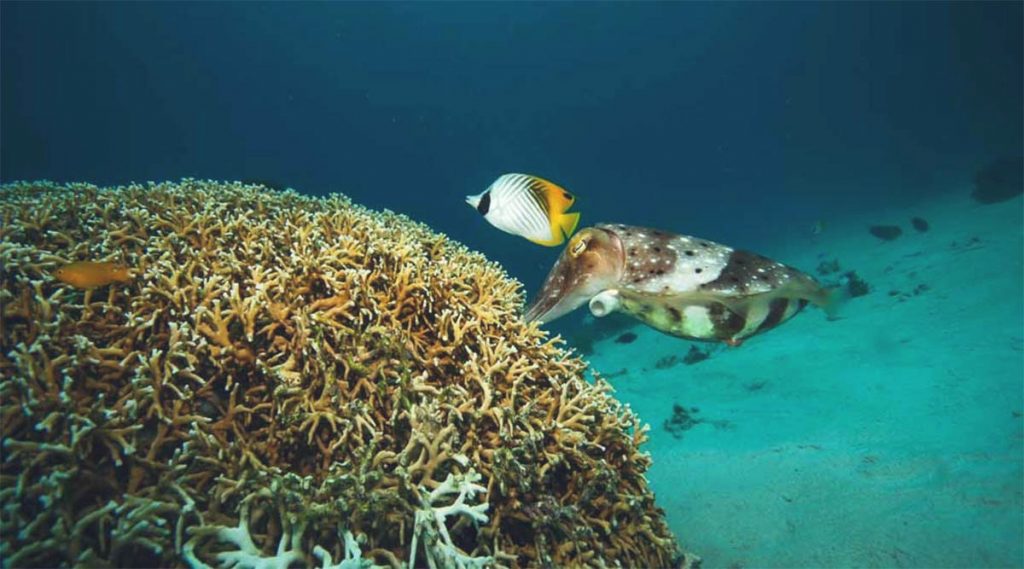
{"x":1001,"y":180}
{"x":920,"y":224}
{"x":885,"y":232}
{"x":626,"y":338}
{"x":695,"y":355}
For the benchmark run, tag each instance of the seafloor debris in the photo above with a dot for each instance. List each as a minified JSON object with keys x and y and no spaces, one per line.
{"x":682,"y":420}
{"x":920,"y":224}
{"x":903,"y":296}
{"x":627,"y":338}
{"x":854,"y":285}
{"x":617,"y":373}
{"x":972,"y":243}
{"x":293,"y":381}
{"x":1001,"y":180}
{"x":696,"y":355}
{"x":667,"y":362}
{"x":885,"y":232}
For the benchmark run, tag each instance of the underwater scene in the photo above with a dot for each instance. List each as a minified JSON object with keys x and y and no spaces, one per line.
{"x":512,"y":284}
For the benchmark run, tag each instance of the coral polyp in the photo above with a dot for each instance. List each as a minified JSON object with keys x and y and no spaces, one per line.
{"x":290,"y":380}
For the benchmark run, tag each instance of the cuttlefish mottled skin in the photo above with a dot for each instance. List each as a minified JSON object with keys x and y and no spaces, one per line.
{"x":684,"y":286}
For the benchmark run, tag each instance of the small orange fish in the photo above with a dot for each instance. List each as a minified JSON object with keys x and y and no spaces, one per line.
{"x":92,"y":274}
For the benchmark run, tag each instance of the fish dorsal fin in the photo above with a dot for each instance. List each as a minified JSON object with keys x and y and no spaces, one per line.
{"x":557,"y":197}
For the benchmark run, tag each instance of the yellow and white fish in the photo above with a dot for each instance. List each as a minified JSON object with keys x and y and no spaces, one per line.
{"x":529,"y":207}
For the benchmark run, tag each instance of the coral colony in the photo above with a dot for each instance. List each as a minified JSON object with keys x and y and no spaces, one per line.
{"x":293,"y":381}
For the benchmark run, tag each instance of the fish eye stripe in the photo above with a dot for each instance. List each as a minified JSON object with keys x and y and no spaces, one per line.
{"x":485,"y":203}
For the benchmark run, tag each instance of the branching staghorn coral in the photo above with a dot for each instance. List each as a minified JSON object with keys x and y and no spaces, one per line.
{"x":293,"y":380}
{"x":431,"y":523}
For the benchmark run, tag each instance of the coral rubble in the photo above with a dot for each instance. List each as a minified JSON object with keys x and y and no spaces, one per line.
{"x":293,"y":381}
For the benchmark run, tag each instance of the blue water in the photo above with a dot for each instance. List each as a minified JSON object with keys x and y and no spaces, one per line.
{"x":728,"y":120}
{"x":739,"y":122}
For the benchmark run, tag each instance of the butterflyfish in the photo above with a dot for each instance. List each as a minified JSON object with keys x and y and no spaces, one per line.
{"x":529,"y":207}
{"x":92,"y":274}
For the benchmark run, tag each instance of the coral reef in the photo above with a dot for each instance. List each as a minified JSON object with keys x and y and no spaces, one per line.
{"x":293,"y":381}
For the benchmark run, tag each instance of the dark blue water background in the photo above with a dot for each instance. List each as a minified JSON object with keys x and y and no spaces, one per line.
{"x":729,"y":121}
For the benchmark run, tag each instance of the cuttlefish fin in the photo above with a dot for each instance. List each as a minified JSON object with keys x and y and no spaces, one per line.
{"x":828,"y":299}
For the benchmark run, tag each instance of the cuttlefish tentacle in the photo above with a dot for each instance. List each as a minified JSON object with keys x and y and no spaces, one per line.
{"x":680,"y":285}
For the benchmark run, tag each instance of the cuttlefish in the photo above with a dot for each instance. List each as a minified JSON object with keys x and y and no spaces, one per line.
{"x":681,"y":285}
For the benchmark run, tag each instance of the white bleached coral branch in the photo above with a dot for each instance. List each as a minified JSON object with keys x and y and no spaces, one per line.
{"x":432,"y":529}
{"x":353,"y":556}
{"x":246,"y":555}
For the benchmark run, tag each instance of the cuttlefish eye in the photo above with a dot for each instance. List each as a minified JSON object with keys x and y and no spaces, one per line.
{"x":578,"y":245}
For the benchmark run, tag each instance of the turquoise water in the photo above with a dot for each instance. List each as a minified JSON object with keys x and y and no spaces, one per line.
{"x":891,"y":436}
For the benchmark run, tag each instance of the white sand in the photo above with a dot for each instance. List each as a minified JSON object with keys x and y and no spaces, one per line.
{"x":890,"y":438}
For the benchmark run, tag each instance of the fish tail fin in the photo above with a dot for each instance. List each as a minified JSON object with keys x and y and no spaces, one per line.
{"x":568,"y":223}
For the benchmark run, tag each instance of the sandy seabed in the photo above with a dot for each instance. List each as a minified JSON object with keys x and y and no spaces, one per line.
{"x":889,"y":438}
